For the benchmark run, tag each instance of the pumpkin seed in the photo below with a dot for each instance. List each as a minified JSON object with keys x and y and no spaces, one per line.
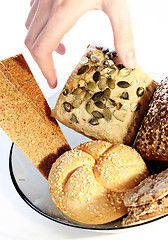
{"x":140,"y":91}
{"x":120,"y":114}
{"x":65,"y":91}
{"x":99,"y":46}
{"x":100,"y":104}
{"x":105,"y":50}
{"x":76,"y":103}
{"x":77,"y":91}
{"x":102,"y":83}
{"x":91,"y":85}
{"x":109,"y":63}
{"x":125,"y":95}
{"x":83,"y":69}
{"x":81,"y":83}
{"x":98,"y":96}
{"x":94,"y":59}
{"x":94,"y":121}
{"x":114,"y":54}
{"x":107,"y":114}
{"x":67,"y":106}
{"x":74,"y":118}
{"x":123,"y":84}
{"x":89,"y":53}
{"x":108,"y":71}
{"x":90,"y":107}
{"x":88,"y":96}
{"x":107,"y":93}
{"x":97,"y":114}
{"x":110,"y":103}
{"x":109,"y":55}
{"x":111,"y":83}
{"x":81,"y":95}
{"x":96,"y":76}
{"x":100,"y":68}
{"x":124,"y":72}
{"x":120,"y":66}
{"x":84,"y":60}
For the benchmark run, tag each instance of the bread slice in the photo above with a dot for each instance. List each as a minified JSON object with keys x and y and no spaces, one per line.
{"x":104,"y":100}
{"x":148,"y":200}
{"x":25,"y":115}
{"x":18,"y":72}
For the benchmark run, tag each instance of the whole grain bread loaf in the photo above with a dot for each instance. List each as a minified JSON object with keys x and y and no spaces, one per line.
{"x":104,"y":100}
{"x":152,"y":139}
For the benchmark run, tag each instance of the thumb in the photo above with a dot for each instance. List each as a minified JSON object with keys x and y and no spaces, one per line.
{"x":118,"y":13}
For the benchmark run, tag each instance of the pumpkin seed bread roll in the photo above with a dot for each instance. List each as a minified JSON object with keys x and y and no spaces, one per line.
{"x":88,"y":183}
{"x":104,"y":100}
{"x":25,"y":115}
{"x":152,"y":139}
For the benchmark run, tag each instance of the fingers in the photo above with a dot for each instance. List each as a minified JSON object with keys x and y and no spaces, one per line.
{"x":49,"y":20}
{"x":118,"y":13}
{"x":31,"y":2}
{"x":35,"y":23}
{"x":61,"y":49}
{"x":37,"y":20}
{"x":34,"y":5}
{"x":47,"y":30}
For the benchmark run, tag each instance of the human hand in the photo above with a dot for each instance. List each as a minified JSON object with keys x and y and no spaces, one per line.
{"x":49,"y":20}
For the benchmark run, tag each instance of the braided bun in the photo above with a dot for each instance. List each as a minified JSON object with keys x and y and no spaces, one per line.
{"x":77,"y":185}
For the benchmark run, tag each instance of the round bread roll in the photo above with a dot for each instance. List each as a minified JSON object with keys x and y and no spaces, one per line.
{"x":77,"y":185}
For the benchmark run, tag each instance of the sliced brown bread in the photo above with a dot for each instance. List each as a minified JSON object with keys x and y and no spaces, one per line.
{"x":25,"y":115}
{"x":18,"y":72}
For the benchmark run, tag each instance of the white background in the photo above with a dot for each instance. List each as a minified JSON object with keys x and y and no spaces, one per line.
{"x":149,"y":21}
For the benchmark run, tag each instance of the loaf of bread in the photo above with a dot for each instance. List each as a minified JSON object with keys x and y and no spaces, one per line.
{"x":25,"y":115}
{"x":104,"y":100}
{"x":152,"y":139}
{"x":88,"y":183}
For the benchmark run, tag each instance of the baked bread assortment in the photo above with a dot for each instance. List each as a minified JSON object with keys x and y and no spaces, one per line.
{"x":102,"y":180}
{"x":104,"y":100}
{"x":152,"y":139}
{"x":88,"y":183}
{"x":25,"y":115}
{"x":148,"y":200}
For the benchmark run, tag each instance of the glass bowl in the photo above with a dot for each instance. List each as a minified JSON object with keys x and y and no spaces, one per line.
{"x":33,"y":187}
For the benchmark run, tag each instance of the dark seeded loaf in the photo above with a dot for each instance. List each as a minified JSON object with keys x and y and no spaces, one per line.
{"x":152,"y":139}
{"x":104,"y":100}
